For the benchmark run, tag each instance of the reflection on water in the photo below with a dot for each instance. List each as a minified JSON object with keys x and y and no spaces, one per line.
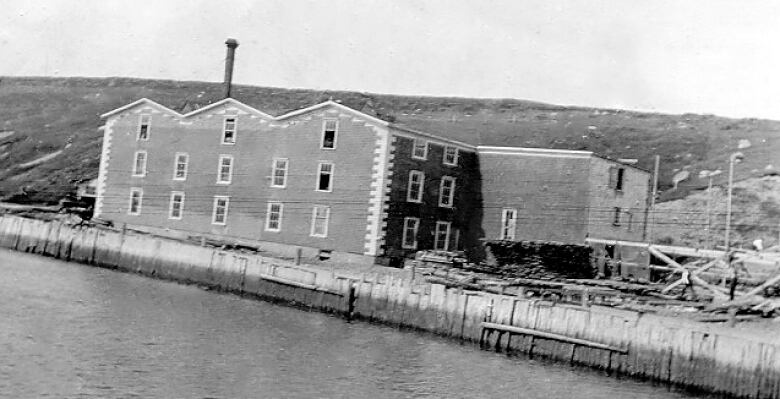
{"x":74,"y":331}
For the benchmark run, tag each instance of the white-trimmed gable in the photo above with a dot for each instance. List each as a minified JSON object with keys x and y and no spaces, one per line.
{"x":332,"y":108}
{"x":143,"y":105}
{"x":228,"y":106}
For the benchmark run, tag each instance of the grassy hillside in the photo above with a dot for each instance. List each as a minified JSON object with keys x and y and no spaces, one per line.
{"x":58,"y":118}
{"x":755,"y":215}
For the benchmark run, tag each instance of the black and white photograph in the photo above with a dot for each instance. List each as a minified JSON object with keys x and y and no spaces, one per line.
{"x":526,"y":199}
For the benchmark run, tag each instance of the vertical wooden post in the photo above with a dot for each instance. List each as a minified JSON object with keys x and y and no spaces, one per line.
{"x":351,"y":297}
{"x":298,"y":254}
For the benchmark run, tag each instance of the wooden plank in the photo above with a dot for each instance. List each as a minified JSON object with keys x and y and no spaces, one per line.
{"x":555,"y":337}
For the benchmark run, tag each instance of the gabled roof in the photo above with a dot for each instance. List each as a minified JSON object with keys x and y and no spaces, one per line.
{"x":233,"y":102}
{"x":252,"y":110}
{"x":331,"y":103}
{"x":163,"y":108}
{"x":136,"y":103}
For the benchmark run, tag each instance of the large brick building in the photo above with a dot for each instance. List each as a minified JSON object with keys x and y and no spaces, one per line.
{"x":330,"y":178}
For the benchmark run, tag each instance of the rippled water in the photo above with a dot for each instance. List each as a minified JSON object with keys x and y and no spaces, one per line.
{"x":68,"y":330}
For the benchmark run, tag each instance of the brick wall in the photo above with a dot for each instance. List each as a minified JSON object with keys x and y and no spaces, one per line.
{"x":465,"y":214}
{"x":259,"y":140}
{"x":549,"y":193}
{"x":632,"y":200}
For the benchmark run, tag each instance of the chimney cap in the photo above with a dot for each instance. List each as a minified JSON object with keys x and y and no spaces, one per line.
{"x":231,"y":42}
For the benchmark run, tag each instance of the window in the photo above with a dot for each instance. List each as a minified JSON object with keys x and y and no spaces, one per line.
{"x":450,"y":156}
{"x":273,"y":220}
{"x":136,"y":197}
{"x":144,"y":122}
{"x":616,"y":178}
{"x":420,"y":149}
{"x":409,"y":240}
{"x":446,"y":191}
{"x":508,"y":223}
{"x":279,"y":173}
{"x":319,"y":221}
{"x":616,"y":219}
{"x":325,"y":177}
{"x":225,"y":172}
{"x":329,"y":128}
{"x":442,"y":239}
{"x":229,"y":131}
{"x":414,"y":191}
{"x":139,"y":165}
{"x":180,"y":166}
{"x":220,"y":210}
{"x":177,"y":205}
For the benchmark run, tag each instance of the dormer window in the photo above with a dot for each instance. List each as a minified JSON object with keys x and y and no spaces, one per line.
{"x":144,"y":122}
{"x":229,"y":131}
{"x":329,"y":130}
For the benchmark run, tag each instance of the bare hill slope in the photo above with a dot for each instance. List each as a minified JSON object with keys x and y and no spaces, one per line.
{"x":755,"y":215}
{"x":49,"y":137}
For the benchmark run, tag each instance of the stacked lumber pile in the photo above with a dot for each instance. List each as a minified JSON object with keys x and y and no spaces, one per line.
{"x":544,"y":260}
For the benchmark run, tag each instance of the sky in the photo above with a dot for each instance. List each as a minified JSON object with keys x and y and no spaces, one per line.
{"x":676,"y":56}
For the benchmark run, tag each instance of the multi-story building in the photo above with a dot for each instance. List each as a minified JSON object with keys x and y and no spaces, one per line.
{"x":328,"y":178}
{"x":561,"y":195}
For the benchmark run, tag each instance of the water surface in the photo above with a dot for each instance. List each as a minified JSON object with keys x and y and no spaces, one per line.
{"x":74,"y":331}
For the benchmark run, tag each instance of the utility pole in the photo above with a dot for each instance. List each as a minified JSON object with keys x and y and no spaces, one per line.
{"x":734,"y":158}
{"x":708,"y":228}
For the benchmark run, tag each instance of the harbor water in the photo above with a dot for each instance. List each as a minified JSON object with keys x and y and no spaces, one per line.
{"x":68,"y":330}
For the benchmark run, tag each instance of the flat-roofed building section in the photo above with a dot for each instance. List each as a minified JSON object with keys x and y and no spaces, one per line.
{"x":560,"y":195}
{"x":534,"y":194}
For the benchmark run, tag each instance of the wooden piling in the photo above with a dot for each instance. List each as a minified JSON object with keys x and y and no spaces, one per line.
{"x":674,"y":351}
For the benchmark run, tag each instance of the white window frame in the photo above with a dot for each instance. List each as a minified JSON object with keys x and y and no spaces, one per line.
{"x":414,"y":149}
{"x":409,"y":186}
{"x":445,"y":179}
{"x":332,"y":174}
{"x":176,"y":165}
{"x":142,"y":172}
{"x":508,"y":230}
{"x":404,"y":236}
{"x":275,"y":168}
{"x":140,"y":192}
{"x":181,"y":205}
{"x":214,"y":209}
{"x":446,"y":236}
{"x":219,"y":169}
{"x":335,"y":133}
{"x":455,"y":156}
{"x":148,"y":127}
{"x":314,"y":221}
{"x":268,"y":217}
{"x":225,"y":130}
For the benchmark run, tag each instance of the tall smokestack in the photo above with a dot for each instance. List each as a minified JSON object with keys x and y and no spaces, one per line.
{"x":231,"y":54}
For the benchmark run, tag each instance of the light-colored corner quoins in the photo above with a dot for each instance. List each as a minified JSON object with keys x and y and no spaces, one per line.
{"x":105,"y":156}
{"x":377,"y":210}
